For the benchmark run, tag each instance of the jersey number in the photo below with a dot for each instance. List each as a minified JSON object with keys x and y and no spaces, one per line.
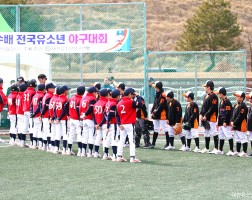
{"x":26,"y":97}
{"x":123,"y":109}
{"x":72,"y":105}
{"x":98,"y":110}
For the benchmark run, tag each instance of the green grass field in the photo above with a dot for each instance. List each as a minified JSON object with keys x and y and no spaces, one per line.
{"x":33,"y":174}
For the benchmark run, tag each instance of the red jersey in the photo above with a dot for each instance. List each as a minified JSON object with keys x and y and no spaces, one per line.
{"x":52,"y":105}
{"x":111,"y":103}
{"x":19,"y":103}
{"x":12,"y":103}
{"x":126,"y":109}
{"x":45,"y":104}
{"x":99,"y":108}
{"x":86,"y":106}
{"x":36,"y":103}
{"x":60,"y":114}
{"x":74,"y":103}
{"x":28,"y":95}
{"x":4,"y":99}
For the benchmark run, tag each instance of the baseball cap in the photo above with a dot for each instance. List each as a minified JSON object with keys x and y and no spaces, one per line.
{"x":14,"y":87}
{"x":20,"y":79}
{"x":222,"y":91}
{"x":58,"y":90}
{"x":209,"y":83}
{"x":104,"y":92}
{"x":41,"y":76}
{"x":23,"y":87}
{"x":170,"y":94}
{"x":92,"y":89}
{"x":115,"y":93}
{"x":249,"y":96}
{"x":64,"y":88}
{"x":41,"y":87}
{"x":151,"y":79}
{"x":121,"y":85}
{"x":189,"y":94}
{"x":159,"y":85}
{"x":50,"y":85}
{"x":239,"y":94}
{"x":128,"y":91}
{"x":97,"y":85}
{"x":32,"y":83}
{"x":1,"y":80}
{"x":81,"y":90}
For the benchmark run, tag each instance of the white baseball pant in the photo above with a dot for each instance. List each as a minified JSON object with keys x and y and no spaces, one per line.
{"x":53,"y":131}
{"x":61,"y":130}
{"x":250,"y":135}
{"x":75,"y":129}
{"x":128,"y":129}
{"x":240,"y":137}
{"x":225,"y":132}
{"x":13,"y":124}
{"x":20,"y":123}
{"x":171,"y":132}
{"x":88,"y":132}
{"x":110,"y":138}
{"x":160,"y":125}
{"x":28,"y":123}
{"x":37,"y":133}
{"x":213,"y":130}
{"x":193,"y":133}
{"x":46,"y":128}
{"x":99,"y":134}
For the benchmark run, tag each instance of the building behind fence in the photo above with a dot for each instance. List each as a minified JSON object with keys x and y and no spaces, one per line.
{"x":179,"y":71}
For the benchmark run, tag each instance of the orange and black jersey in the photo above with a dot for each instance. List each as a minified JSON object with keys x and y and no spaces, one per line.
{"x":249,"y":122}
{"x":239,"y":117}
{"x":174,"y":114}
{"x":225,"y":112}
{"x":142,"y":112}
{"x":210,"y":107}
{"x":159,"y":107}
{"x":192,"y":115}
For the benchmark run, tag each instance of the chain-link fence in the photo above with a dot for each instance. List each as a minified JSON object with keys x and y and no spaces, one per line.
{"x":184,"y":71}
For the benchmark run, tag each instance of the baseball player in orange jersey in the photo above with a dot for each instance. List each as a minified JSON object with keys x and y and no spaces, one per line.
{"x":127,"y":115}
{"x":191,"y":122}
{"x":239,"y":124}
{"x":209,"y":114}
{"x":249,"y":124}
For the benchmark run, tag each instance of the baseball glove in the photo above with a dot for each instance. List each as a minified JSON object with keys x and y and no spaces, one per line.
{"x":187,"y":126}
{"x":177,"y":128}
{"x":205,"y":124}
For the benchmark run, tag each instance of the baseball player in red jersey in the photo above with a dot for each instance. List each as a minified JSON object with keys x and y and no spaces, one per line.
{"x":127,"y":119}
{"x":75,"y":123}
{"x":28,"y":122}
{"x":61,"y":114}
{"x":52,"y":105}
{"x":12,"y":113}
{"x":20,"y":112}
{"x":86,"y":113}
{"x":100,"y":120}
{"x":110,"y":139}
{"x":35,"y":114}
{"x":50,"y":89}
{"x":3,"y":99}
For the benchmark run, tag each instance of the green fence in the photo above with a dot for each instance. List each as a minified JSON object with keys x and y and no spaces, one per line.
{"x":184,"y":71}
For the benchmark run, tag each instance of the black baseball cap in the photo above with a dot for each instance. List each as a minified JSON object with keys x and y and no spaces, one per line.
{"x":128,"y":91}
{"x":50,"y":85}
{"x":189,"y":94}
{"x":20,"y":79}
{"x":58,"y":90}
{"x":222,"y":91}
{"x":115,"y":93}
{"x":92,"y":89}
{"x":170,"y":94}
{"x":64,"y":88}
{"x":97,"y":85}
{"x":32,"y":83}
{"x":104,"y":92}
{"x":240,"y":94}
{"x":14,"y":87}
{"x":209,"y":83}
{"x":81,"y":90}
{"x":42,"y":76}
{"x":41,"y":87}
{"x":1,"y":80}
{"x":23,"y":87}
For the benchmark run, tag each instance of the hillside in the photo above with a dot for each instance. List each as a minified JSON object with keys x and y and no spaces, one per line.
{"x":165,"y":18}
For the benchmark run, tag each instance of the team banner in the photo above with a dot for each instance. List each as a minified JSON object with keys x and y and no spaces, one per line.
{"x":91,"y":41}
